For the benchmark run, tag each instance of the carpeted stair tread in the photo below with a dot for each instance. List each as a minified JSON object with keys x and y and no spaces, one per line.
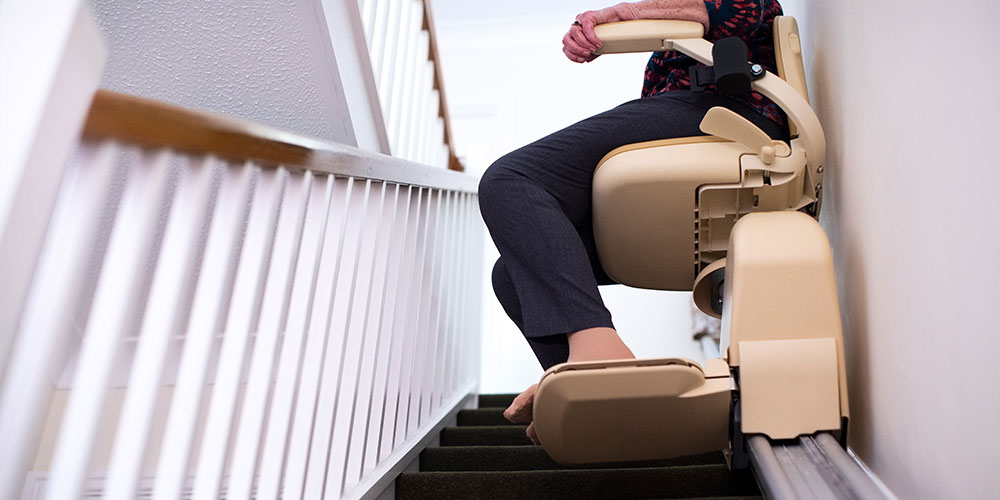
{"x":482,"y":416}
{"x":502,"y":435}
{"x":671,"y":482}
{"x":487,"y":457}
{"x":524,"y":458}
{"x":496,"y":400}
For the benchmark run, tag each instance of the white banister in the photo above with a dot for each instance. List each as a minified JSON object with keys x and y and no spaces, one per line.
{"x":165,"y":310}
{"x":273,"y":456}
{"x":220,"y":309}
{"x":215,"y":268}
{"x":403,"y":51}
{"x":117,"y":300}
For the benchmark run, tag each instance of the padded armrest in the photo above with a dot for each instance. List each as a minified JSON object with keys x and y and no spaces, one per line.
{"x":644,"y":35}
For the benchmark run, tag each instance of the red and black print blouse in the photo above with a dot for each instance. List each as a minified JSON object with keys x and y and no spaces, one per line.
{"x":750,"y":20}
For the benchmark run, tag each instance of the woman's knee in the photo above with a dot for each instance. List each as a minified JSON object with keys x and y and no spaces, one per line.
{"x":503,"y":287}
{"x":500,"y":172}
{"x":497,"y":186}
{"x":502,"y":284}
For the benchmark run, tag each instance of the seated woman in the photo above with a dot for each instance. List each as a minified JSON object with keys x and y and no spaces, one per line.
{"x":536,"y":201}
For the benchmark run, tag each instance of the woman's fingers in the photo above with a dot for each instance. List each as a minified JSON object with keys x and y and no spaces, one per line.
{"x":577,"y":56}
{"x":573,"y":50}
{"x":573,"y":46}
{"x":587,"y":22}
{"x":576,"y":34}
{"x":573,"y":57}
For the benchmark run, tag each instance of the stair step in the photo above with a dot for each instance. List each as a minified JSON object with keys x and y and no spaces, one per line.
{"x":503,"y":435}
{"x":525,"y":458}
{"x":654,"y":482}
{"x":496,"y":400}
{"x":481,"y":417}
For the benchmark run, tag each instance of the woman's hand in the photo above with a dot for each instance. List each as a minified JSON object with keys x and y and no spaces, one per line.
{"x":581,"y":41}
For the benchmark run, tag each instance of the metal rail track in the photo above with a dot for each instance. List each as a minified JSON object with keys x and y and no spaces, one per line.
{"x":813,"y":467}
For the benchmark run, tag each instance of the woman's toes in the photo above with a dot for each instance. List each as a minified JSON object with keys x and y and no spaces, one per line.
{"x":532,"y":435}
{"x":520,"y":410}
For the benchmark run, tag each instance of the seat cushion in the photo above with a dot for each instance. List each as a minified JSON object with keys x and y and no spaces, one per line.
{"x":645,"y":203}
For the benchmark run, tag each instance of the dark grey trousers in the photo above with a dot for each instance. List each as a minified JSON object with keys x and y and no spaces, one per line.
{"x":536,"y":202}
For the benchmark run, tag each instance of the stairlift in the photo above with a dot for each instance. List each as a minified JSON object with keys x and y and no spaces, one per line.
{"x":731,"y":217}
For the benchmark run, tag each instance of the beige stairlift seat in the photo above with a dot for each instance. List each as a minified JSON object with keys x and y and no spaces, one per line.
{"x":665,"y":218}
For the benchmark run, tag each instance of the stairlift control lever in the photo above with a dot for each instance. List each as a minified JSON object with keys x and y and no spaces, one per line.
{"x":724,"y":123}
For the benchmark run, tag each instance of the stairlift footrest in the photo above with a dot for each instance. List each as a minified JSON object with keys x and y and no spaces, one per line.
{"x":789,"y":388}
{"x":634,"y":410}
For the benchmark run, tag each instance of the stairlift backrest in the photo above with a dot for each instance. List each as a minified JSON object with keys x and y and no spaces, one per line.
{"x":788,"y":54}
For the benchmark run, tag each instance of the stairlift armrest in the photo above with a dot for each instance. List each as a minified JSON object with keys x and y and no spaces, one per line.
{"x":644,"y":35}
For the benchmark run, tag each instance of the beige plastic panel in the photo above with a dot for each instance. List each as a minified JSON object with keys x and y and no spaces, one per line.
{"x":644,"y":201}
{"x":644,"y":35}
{"x":789,"y":388}
{"x":788,"y":51}
{"x":780,"y":286}
{"x":632,"y":410}
{"x":727,"y":124}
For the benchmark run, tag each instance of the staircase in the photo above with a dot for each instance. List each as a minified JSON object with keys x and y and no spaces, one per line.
{"x":486,"y":457}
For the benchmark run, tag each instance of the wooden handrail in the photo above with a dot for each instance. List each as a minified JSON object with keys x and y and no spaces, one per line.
{"x":453,"y":162}
{"x":154,"y":124}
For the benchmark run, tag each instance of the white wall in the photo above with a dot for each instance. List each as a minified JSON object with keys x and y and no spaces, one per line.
{"x":269,"y":61}
{"x":907,"y":94}
{"x":508,"y":84}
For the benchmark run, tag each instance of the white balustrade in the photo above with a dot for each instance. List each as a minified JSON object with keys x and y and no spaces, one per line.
{"x":325,"y":323}
{"x":407,"y":69}
{"x":204,"y":320}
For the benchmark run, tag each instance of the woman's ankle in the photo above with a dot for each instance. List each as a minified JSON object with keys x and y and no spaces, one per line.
{"x":594,"y":344}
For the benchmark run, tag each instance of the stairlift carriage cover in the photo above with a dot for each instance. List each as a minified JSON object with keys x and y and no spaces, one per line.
{"x":664,"y":212}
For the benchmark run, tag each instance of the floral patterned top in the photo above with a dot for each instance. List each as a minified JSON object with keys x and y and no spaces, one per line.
{"x":750,"y":20}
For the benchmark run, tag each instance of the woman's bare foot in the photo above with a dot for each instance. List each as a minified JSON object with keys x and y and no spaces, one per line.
{"x":596,"y":344}
{"x":592,"y":344}
{"x":519,"y":411}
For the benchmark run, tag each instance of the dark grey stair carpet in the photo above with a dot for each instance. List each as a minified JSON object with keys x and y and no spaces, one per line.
{"x":482,"y":416}
{"x":670,"y":482}
{"x":523,"y":458}
{"x":504,"y":435}
{"x":496,"y":400}
{"x":486,"y":457}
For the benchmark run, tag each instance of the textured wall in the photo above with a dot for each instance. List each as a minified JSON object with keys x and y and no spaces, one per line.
{"x":255,"y":59}
{"x":906,"y":92}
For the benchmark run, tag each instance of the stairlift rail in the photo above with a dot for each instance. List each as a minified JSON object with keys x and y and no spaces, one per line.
{"x":813,"y":467}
